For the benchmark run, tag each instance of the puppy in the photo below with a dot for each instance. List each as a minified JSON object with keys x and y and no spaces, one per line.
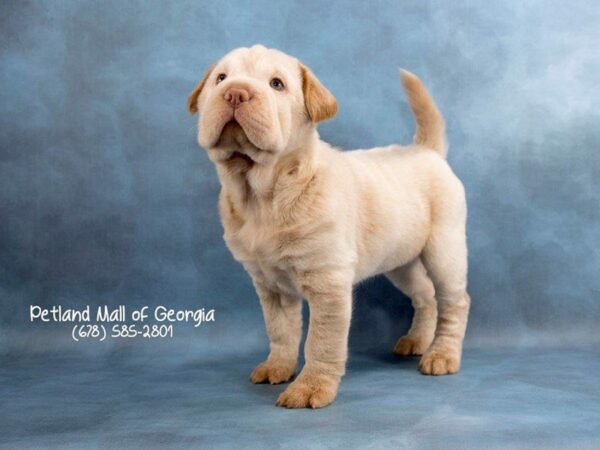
{"x":309,"y":221}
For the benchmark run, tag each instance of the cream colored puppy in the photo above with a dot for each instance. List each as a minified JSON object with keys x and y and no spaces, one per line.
{"x":309,"y":221}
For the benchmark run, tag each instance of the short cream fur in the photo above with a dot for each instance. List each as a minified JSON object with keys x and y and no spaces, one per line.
{"x":308,"y":221}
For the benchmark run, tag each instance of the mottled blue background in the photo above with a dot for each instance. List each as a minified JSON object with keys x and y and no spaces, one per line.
{"x":105,"y":198}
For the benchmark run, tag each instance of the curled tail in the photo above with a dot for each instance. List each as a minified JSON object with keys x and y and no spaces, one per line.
{"x":431,"y":129}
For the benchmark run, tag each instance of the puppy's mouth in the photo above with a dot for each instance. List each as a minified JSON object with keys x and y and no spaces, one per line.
{"x":232,"y":134}
{"x":235,"y":147}
{"x":240,"y":157}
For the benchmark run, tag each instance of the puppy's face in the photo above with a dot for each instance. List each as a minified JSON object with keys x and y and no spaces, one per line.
{"x":257,"y":104}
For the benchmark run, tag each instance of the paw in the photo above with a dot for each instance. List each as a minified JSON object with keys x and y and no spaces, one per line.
{"x":309,"y":391}
{"x":273,"y":372}
{"x":439,"y":362}
{"x":409,"y":345}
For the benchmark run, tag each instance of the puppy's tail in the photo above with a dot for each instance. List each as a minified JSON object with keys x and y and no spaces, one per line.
{"x":431,"y":129}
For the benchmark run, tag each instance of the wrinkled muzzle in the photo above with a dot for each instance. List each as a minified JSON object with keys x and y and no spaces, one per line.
{"x":238,"y":102}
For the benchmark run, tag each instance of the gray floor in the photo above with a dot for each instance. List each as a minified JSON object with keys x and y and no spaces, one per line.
{"x":501,"y":399}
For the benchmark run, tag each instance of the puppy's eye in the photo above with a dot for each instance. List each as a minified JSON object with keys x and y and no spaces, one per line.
{"x":277,"y":84}
{"x":221,"y":77}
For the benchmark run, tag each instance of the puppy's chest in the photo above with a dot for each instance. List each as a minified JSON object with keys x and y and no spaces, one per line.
{"x":264,"y":249}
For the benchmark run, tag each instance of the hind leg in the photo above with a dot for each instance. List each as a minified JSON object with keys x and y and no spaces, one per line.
{"x":445,"y":257}
{"x":414,"y":282}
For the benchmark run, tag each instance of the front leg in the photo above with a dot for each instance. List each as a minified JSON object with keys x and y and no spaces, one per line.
{"x":283,"y":320}
{"x":330,"y":300}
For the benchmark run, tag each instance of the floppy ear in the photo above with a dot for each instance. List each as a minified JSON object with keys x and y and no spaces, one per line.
{"x":320,"y":103}
{"x":193,"y":98}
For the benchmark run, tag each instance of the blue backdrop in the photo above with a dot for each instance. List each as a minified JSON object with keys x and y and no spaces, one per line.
{"x":105,"y":197}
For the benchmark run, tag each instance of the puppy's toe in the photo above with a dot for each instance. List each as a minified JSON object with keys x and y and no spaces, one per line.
{"x":437,"y":362}
{"x":273,"y":372}
{"x":409,"y":345}
{"x":321,"y":397}
{"x":309,"y":392}
{"x":295,"y":396}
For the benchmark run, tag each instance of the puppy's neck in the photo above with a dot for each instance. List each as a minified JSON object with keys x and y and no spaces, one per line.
{"x":255,"y":190}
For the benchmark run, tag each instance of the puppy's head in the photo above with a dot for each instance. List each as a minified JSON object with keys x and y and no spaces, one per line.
{"x":257,"y":104}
